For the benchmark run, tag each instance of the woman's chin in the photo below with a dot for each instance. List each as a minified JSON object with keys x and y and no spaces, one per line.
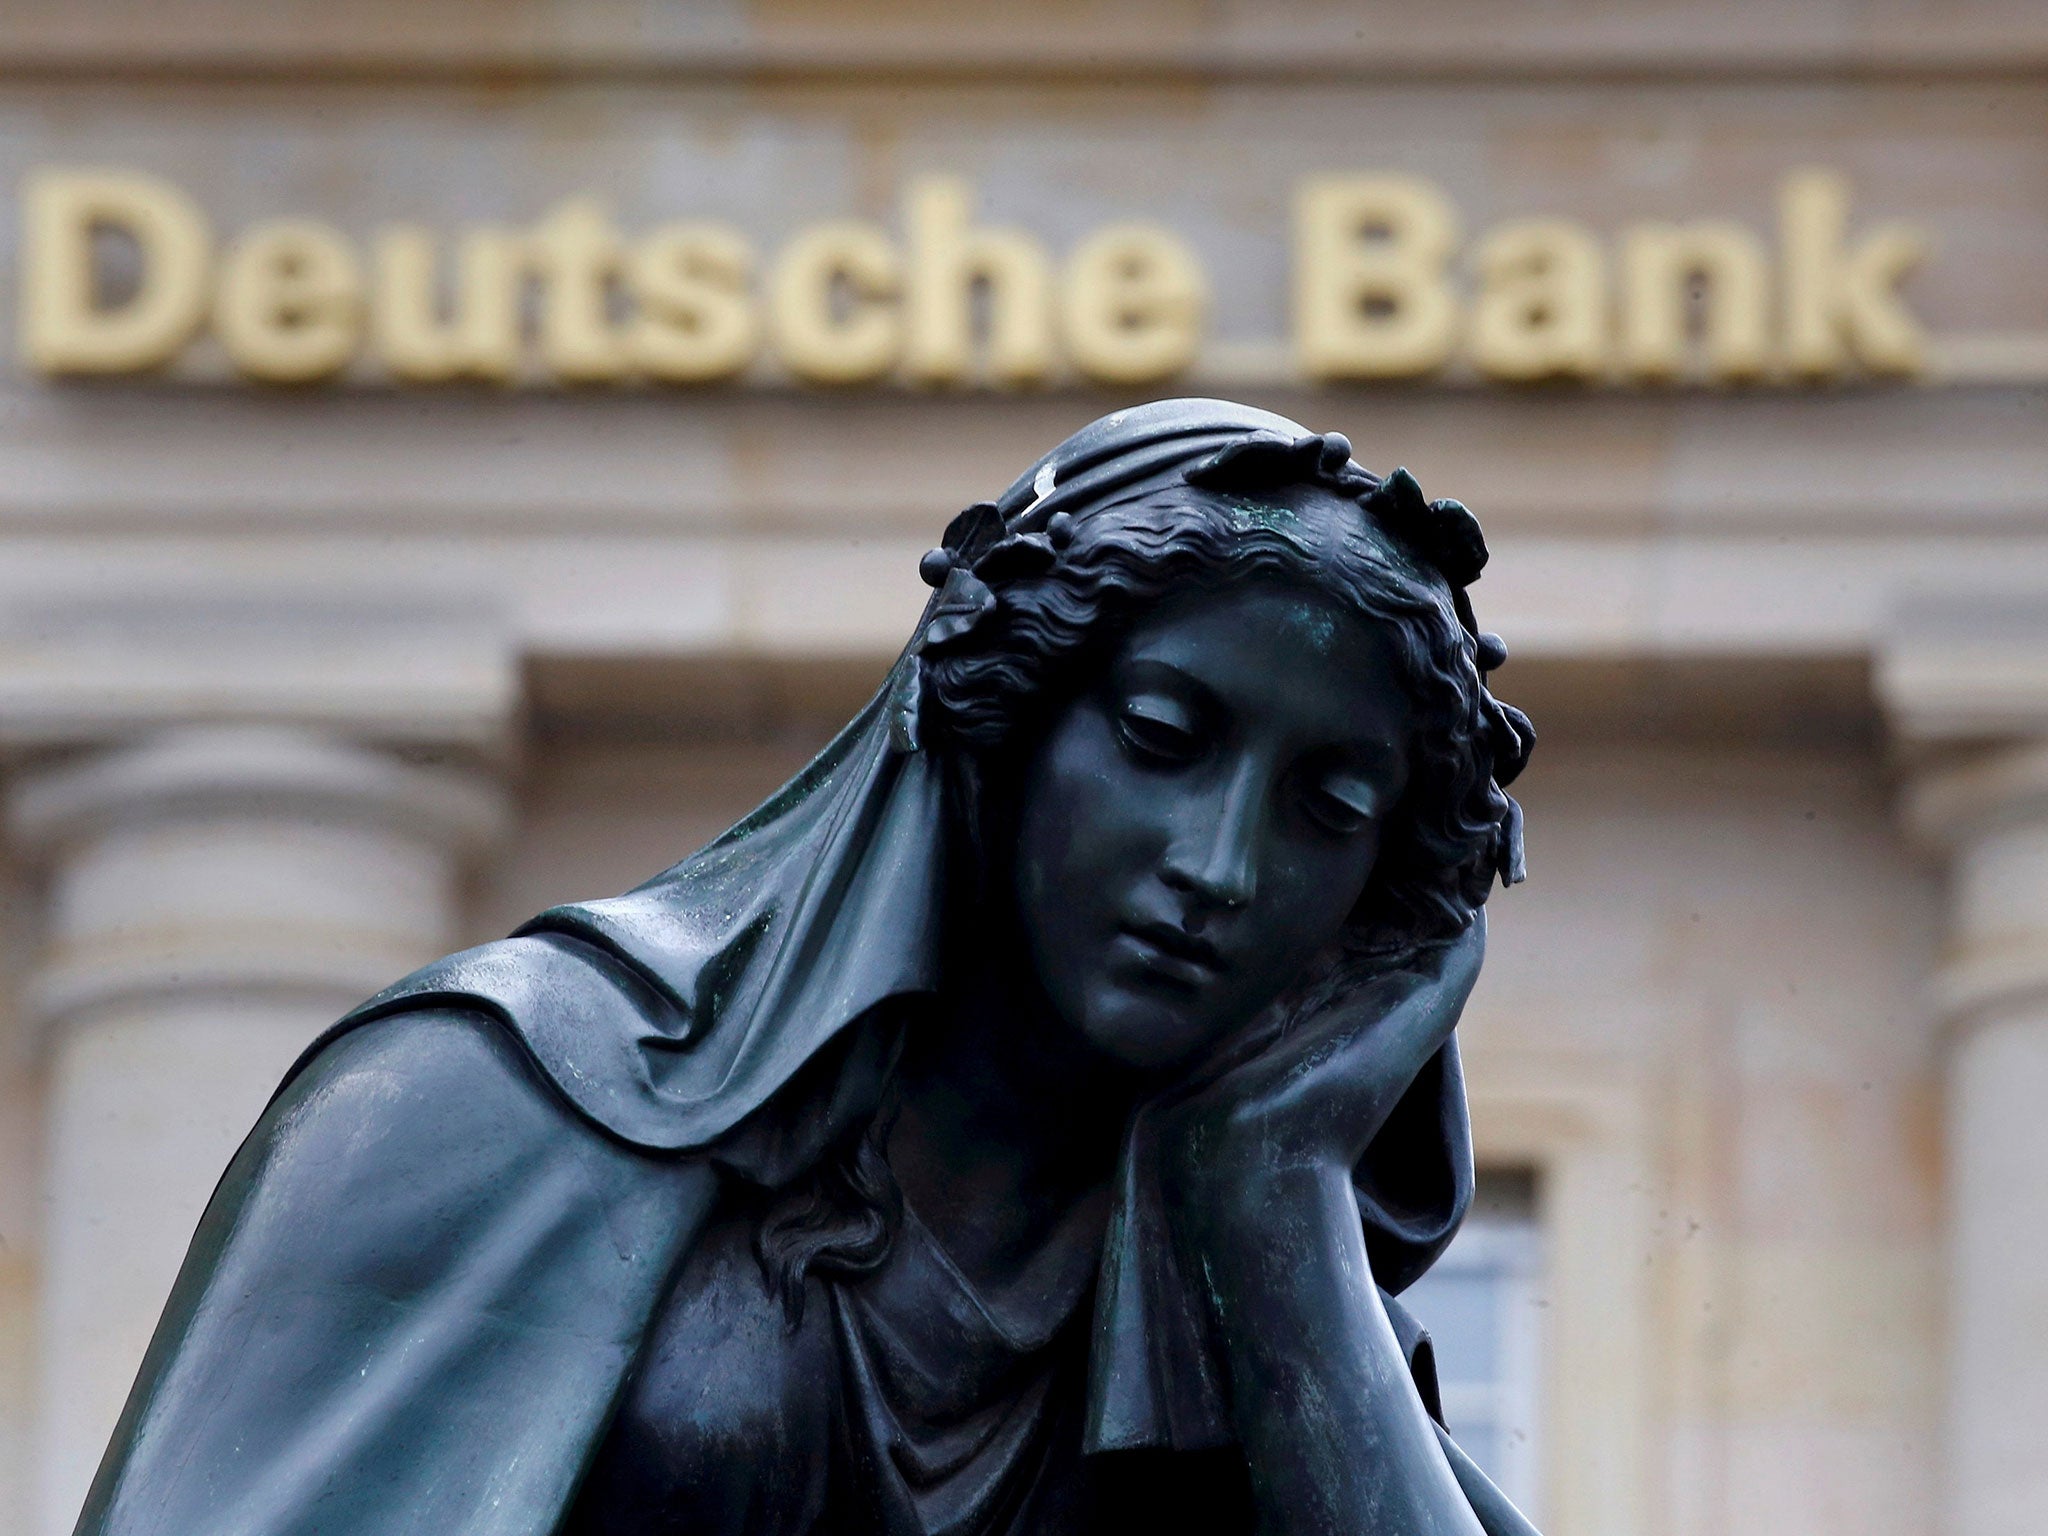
{"x":1148,"y":1029}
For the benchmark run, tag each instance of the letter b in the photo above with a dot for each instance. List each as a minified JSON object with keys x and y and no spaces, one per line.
{"x":1370,"y":295}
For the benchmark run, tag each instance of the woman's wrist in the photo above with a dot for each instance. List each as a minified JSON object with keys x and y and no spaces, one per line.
{"x":1250,"y":1230}
{"x":1333,"y":1432}
{"x":1237,"y":1169}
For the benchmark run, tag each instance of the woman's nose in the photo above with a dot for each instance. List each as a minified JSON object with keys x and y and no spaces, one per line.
{"x":1216,"y":857}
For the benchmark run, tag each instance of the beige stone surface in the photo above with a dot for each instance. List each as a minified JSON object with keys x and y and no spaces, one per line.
{"x":1739,"y":938}
{"x":1177,"y":35}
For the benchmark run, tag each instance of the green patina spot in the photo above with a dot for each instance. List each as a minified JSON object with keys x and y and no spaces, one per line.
{"x":1319,"y":622}
{"x":1260,"y":514}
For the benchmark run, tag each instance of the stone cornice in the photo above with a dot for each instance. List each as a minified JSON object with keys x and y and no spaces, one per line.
{"x":1965,"y":665}
{"x":533,"y":42}
{"x":1987,"y":810}
{"x":1982,"y":985}
{"x":196,"y":772}
{"x":1962,"y":672}
{"x":285,"y":792}
{"x":116,"y":661}
{"x":1965,"y":798}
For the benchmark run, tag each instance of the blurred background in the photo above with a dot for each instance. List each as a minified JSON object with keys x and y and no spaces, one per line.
{"x":457,"y":457}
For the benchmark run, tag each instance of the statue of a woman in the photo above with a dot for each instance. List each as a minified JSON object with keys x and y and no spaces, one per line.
{"x":1019,"y":1124}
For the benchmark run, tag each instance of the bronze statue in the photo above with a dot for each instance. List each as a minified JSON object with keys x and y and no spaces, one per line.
{"x":1021,"y":1123}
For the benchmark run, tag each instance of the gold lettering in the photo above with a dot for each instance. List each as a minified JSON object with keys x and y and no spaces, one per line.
{"x":64,"y":327}
{"x":290,"y":303}
{"x":1542,"y":306}
{"x":829,"y":304}
{"x":119,"y":274}
{"x":480,"y":337}
{"x":1660,"y":262}
{"x":1840,"y":302}
{"x":1134,"y":304}
{"x":578,"y":255}
{"x":695,"y":319}
{"x":1371,"y":299}
{"x":949,"y":260}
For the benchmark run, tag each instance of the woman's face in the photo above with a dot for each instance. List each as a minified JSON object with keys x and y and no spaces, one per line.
{"x":1199,"y":822}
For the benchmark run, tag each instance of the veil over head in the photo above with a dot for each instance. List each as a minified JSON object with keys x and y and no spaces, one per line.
{"x":739,"y":1004}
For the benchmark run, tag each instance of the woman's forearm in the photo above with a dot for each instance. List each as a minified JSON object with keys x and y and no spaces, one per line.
{"x":1333,"y":1429}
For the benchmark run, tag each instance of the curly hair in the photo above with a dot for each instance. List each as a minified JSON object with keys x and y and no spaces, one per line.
{"x":989,"y":690}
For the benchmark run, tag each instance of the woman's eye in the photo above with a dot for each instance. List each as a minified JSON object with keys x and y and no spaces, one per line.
{"x":1342,"y":804}
{"x":1158,"y":730}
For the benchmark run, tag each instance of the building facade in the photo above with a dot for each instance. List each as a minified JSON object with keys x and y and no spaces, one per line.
{"x":455,"y":459}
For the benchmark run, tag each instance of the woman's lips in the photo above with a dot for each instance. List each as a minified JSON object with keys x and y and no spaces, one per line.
{"x":1173,"y":954}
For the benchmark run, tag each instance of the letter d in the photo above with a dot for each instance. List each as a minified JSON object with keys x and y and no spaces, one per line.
{"x":64,"y":328}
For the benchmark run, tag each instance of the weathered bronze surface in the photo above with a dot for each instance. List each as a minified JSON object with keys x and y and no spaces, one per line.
{"x":1022,"y":1123}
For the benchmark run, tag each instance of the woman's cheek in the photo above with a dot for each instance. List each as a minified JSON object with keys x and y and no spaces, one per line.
{"x":1092,"y":798}
{"x":1314,"y":892}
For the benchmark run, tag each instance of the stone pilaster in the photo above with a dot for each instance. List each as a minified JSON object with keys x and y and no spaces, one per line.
{"x":1963,"y":675}
{"x":1988,"y":808}
{"x":216,"y":896}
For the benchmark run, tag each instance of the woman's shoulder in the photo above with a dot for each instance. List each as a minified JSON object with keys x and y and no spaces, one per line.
{"x":589,"y":1021}
{"x":446,"y":1098}
{"x":436,"y":1075}
{"x":419,"y":1059}
{"x":410,"y":1148}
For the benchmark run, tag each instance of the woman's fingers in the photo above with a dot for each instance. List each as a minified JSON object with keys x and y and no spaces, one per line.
{"x":1331,"y":1080}
{"x":1399,"y":1013}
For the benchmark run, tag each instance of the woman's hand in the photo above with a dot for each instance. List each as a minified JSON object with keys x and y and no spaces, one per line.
{"x":1257,"y":1164}
{"x":1313,"y":1095}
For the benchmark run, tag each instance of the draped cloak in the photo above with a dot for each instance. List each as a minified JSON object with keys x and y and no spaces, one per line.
{"x":422,"y":1285}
